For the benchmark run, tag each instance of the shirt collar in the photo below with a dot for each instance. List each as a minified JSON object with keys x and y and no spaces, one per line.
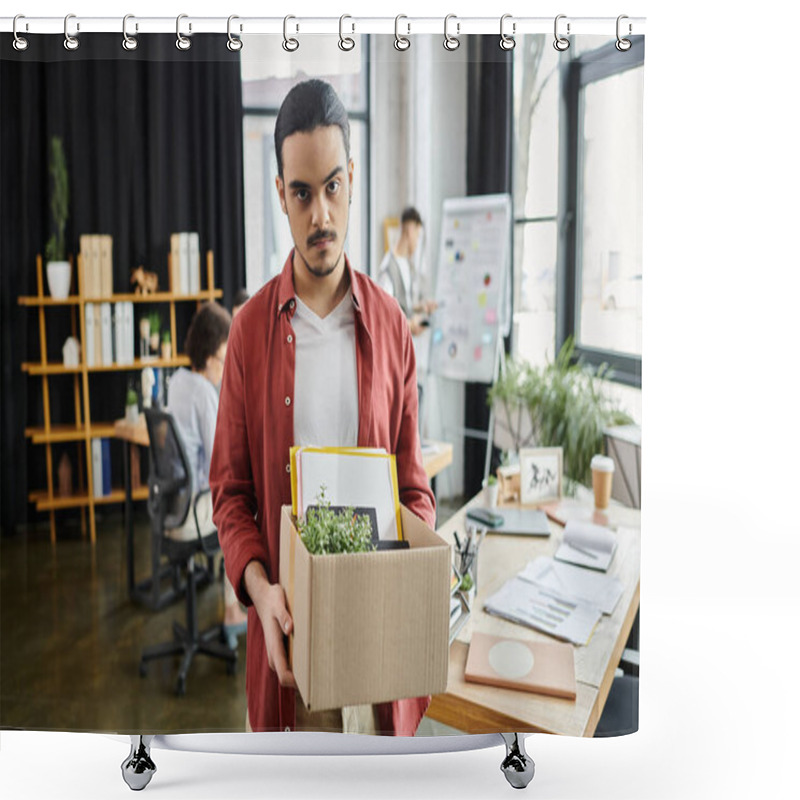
{"x":286,"y":292}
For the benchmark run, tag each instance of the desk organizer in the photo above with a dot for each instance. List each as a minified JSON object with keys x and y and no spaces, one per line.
{"x":128,"y":134}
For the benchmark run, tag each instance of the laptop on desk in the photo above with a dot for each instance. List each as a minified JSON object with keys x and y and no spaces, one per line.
{"x":518,"y":521}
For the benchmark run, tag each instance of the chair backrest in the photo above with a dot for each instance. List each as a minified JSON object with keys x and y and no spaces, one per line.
{"x":170,"y":479}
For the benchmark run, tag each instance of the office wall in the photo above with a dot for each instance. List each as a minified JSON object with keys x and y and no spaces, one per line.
{"x":418,"y":157}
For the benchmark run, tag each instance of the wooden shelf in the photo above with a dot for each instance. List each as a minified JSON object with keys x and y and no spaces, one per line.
{"x":47,"y":499}
{"x":45,"y":503}
{"x":157,"y":297}
{"x":34,"y":368}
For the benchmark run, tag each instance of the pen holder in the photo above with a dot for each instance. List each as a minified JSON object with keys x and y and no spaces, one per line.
{"x":467,"y":563}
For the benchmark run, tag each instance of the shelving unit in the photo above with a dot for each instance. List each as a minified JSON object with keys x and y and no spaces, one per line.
{"x":84,"y":429}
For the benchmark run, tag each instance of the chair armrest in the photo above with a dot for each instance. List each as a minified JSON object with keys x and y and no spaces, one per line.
{"x":197,"y":521}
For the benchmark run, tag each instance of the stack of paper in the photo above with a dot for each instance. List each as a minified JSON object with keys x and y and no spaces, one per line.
{"x":355,"y":477}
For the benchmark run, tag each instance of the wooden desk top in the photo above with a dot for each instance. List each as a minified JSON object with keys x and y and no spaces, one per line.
{"x":474,"y":708}
{"x":439,"y":456}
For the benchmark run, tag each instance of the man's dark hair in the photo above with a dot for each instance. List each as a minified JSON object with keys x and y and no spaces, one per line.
{"x":240,"y":298}
{"x":310,"y":105}
{"x":208,"y":330}
{"x":410,"y":214}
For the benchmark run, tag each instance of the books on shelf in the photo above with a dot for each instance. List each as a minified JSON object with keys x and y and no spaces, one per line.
{"x":101,"y":467}
{"x":184,"y":251}
{"x":109,"y":334}
{"x":98,"y":264}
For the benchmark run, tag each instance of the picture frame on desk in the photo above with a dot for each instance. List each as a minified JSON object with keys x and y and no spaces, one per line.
{"x":541,"y":474}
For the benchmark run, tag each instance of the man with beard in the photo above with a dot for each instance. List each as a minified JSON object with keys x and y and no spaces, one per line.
{"x":319,"y":356}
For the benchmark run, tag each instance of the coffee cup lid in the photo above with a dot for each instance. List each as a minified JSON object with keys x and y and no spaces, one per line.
{"x":602,"y":463}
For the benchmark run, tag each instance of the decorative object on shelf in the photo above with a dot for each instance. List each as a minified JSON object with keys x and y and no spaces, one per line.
{"x":148,"y":383}
{"x":541,"y":470}
{"x":566,"y":407}
{"x":145,"y":282}
{"x":155,"y":333}
{"x":144,"y":337}
{"x":491,"y":490}
{"x":72,"y":352}
{"x":64,"y":476}
{"x":166,"y":346}
{"x":59,"y":270}
{"x":132,"y":407}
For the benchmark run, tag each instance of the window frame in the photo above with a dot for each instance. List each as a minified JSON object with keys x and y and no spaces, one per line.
{"x":576,"y":74}
{"x":358,"y":116}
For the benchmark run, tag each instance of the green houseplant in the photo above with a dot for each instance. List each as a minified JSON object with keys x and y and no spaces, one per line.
{"x":59,"y":270}
{"x":566,"y":407}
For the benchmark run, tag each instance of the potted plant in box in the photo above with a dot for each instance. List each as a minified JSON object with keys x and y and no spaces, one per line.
{"x":59,"y":270}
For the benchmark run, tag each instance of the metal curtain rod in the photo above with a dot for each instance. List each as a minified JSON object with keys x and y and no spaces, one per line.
{"x":322,"y":25}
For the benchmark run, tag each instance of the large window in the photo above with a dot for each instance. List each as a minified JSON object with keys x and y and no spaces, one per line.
{"x":578,"y":202}
{"x":268,"y":74}
{"x":601,"y":257}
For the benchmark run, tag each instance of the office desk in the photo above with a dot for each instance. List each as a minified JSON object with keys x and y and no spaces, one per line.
{"x":148,"y":592}
{"x":474,"y":708}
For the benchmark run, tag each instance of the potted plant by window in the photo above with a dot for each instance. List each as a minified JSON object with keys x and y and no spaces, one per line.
{"x":59,"y":270}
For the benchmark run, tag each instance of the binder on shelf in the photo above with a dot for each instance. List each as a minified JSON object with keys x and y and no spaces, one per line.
{"x":130,"y":336}
{"x":106,"y":457}
{"x":98,"y":335}
{"x":184,"y":262}
{"x":107,"y":352}
{"x":175,"y":263}
{"x":119,"y":333}
{"x":105,"y":243}
{"x":97,"y":281}
{"x":89,"y":350}
{"x":194,"y":263}
{"x":97,"y":468}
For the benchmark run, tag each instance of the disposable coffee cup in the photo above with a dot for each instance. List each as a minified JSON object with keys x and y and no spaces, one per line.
{"x":602,"y":477}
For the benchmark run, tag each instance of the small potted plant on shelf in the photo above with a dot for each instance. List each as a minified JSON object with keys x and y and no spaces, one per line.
{"x":166,"y":346}
{"x":155,"y":332}
{"x":59,"y":270}
{"x":131,"y":407}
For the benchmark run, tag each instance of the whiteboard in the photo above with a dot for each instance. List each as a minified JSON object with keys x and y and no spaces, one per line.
{"x":471,"y":287}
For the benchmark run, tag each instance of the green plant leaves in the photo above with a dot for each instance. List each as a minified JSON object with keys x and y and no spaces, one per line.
{"x":326,"y":532}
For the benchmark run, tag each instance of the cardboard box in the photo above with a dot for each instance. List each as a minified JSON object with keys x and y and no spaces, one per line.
{"x":368,"y":627}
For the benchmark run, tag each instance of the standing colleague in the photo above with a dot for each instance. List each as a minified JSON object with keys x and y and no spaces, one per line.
{"x":320,"y":355}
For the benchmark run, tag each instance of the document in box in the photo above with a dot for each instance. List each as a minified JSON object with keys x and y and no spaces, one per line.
{"x":587,"y":545}
{"x":545,"y":610}
{"x":602,"y":591}
{"x":357,"y":477}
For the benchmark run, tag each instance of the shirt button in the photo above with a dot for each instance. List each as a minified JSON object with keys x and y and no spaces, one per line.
{"x":287,"y":729}
{"x":291,"y":304}
{"x":289,"y":338}
{"x":288,"y":401}
{"x":288,"y":467}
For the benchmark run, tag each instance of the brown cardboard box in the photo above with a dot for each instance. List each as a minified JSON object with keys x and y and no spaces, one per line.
{"x":368,"y":627}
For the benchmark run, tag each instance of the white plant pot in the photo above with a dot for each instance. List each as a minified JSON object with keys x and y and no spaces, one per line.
{"x":490,"y":493}
{"x":59,"y":276}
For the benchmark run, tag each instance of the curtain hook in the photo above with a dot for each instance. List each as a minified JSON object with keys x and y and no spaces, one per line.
{"x":20,"y":42}
{"x":401,"y":42}
{"x":129,"y":42}
{"x":561,"y":43}
{"x":71,"y":42}
{"x":182,"y":42}
{"x":345,"y":43}
{"x":451,"y":42}
{"x":623,"y":44}
{"x":290,"y":44}
{"x":235,"y":43}
{"x":507,"y":42}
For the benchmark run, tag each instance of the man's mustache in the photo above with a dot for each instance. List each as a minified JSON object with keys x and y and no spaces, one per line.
{"x":319,"y":236}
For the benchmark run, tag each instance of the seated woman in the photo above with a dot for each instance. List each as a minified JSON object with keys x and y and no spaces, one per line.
{"x":193,"y":402}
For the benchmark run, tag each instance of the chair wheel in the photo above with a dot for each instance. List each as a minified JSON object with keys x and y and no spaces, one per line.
{"x":142,"y":669}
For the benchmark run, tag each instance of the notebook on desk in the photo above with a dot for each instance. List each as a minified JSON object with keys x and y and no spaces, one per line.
{"x":522,"y":521}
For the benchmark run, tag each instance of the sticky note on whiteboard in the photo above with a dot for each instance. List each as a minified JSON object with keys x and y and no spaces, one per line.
{"x":491,"y":316}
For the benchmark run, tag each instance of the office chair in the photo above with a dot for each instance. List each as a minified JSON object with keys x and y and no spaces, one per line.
{"x":169,"y":503}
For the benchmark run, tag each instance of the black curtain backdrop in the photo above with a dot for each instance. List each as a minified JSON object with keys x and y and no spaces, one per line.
{"x":153,"y":142}
{"x":489,"y":159}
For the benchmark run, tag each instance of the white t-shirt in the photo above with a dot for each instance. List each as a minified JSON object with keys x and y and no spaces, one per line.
{"x":193,"y":401}
{"x":325,"y":376}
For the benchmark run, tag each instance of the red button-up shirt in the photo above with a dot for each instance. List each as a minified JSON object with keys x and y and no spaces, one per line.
{"x":249,"y":473}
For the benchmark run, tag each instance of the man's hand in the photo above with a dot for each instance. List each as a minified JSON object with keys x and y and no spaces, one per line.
{"x":269,"y":602}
